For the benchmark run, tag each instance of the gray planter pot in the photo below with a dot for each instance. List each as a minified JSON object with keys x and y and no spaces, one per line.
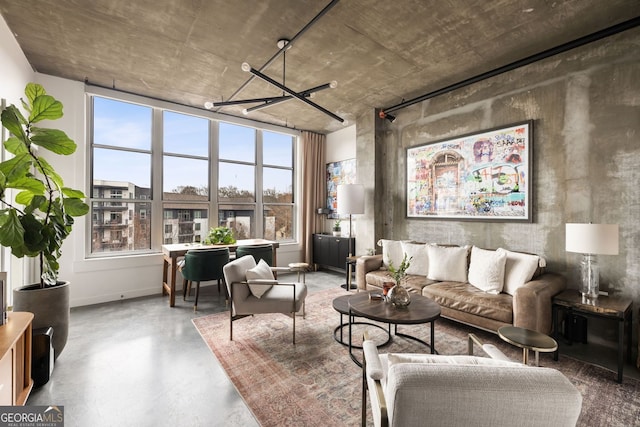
{"x":50,"y":307}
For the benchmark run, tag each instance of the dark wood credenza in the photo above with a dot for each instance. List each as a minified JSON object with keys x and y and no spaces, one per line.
{"x":331,"y":251}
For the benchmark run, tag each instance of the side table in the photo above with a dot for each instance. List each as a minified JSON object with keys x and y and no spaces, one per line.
{"x":349,"y":263}
{"x":607,"y":307}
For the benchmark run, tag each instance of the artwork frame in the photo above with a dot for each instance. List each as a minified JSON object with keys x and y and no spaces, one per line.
{"x":479,"y":176}
{"x":342,"y":172}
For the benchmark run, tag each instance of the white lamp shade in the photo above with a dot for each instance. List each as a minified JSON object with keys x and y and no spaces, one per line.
{"x":598,"y":239}
{"x":350,"y":199}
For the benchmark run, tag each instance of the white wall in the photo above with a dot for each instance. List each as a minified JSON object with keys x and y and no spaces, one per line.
{"x":341,"y":144}
{"x":15,"y":70}
{"x":15,"y":73}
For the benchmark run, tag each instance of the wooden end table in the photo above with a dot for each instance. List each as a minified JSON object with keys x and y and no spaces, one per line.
{"x":608,"y":307}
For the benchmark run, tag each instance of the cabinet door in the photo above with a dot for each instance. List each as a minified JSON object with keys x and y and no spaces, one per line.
{"x":321,"y":249}
{"x":6,"y":379}
{"x":335,"y":252}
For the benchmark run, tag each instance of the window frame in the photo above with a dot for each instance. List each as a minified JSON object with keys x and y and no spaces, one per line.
{"x":157,"y":212}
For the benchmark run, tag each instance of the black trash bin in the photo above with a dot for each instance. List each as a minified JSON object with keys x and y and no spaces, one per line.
{"x":42,"y":356}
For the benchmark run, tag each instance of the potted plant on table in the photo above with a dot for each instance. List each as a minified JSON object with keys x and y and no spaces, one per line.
{"x":336,"y":228}
{"x":220,"y":235}
{"x":398,"y":295}
{"x":40,"y":217}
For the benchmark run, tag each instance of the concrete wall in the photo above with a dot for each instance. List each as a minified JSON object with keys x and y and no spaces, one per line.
{"x":586,"y":156}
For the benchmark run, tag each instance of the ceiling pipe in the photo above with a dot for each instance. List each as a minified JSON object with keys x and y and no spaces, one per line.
{"x":286,"y":46}
{"x":520,"y":63}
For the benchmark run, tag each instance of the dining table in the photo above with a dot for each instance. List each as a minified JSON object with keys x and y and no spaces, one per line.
{"x":172,"y":252}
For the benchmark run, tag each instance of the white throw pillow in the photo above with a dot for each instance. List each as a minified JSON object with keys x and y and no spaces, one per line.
{"x":448,"y":263}
{"x":519,"y":269}
{"x":419,"y":256}
{"x":486,"y":269}
{"x":391,"y":252}
{"x":260,"y":271}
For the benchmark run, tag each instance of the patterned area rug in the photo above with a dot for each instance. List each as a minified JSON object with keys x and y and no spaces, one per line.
{"x":315,"y":383}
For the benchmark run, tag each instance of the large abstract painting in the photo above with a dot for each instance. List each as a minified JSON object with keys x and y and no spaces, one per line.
{"x":343,"y":172}
{"x":481,"y":176}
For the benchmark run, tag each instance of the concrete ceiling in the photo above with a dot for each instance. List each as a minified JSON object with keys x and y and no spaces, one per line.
{"x":380,"y":53}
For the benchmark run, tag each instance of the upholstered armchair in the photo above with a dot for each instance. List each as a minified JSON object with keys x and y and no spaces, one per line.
{"x":431,"y":390}
{"x":253,"y":290}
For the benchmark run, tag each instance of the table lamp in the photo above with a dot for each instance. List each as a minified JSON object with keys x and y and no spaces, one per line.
{"x":350,"y":199}
{"x":591,"y":240}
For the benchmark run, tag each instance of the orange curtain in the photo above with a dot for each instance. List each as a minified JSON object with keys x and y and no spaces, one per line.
{"x":314,"y":188}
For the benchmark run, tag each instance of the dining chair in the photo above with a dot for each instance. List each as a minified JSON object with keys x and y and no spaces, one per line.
{"x":258,"y":252}
{"x":202,"y":265}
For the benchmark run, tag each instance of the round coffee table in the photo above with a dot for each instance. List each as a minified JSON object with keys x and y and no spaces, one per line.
{"x":341,"y":305}
{"x":527,"y":340}
{"x":421,"y":310}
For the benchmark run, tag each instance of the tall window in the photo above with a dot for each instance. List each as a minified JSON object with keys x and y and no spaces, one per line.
{"x":237,"y":180}
{"x":121,"y":170}
{"x":133,"y":145}
{"x":185,"y":166}
{"x":277,"y":186}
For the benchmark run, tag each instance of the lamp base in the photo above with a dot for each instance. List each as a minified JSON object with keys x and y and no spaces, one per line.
{"x":590,"y":273}
{"x":346,"y":286}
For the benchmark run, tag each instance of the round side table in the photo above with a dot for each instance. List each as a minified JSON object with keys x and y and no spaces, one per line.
{"x":527,"y":340}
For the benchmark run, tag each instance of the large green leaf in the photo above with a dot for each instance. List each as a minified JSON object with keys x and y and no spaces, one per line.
{"x":70,"y":192}
{"x":34,"y":90}
{"x":32,"y":185}
{"x":34,"y":238}
{"x":15,"y":146}
{"x":16,"y":167}
{"x":53,"y":140}
{"x":75,"y":207}
{"x":45,"y":107}
{"x":11,"y":230}
{"x":11,"y":121}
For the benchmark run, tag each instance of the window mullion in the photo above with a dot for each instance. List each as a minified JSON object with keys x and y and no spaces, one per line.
{"x":259,"y":186}
{"x":214,"y":159}
{"x":156,"y":179}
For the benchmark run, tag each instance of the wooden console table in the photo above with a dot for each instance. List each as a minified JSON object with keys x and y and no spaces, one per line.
{"x":607,"y":307}
{"x":15,"y":359}
{"x":171,"y":253}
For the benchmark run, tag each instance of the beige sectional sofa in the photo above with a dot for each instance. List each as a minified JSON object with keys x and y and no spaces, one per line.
{"x":483,"y":288}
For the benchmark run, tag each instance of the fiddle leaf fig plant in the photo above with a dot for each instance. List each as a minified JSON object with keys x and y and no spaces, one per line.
{"x":36,"y":221}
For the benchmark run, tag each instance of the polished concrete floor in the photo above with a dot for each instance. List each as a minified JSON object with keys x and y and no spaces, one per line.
{"x":140,"y":363}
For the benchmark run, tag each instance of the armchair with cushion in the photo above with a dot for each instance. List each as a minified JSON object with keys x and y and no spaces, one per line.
{"x":432,"y":390}
{"x":253,"y":290}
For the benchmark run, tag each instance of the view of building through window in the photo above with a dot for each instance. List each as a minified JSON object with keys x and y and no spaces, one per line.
{"x":253,"y":170}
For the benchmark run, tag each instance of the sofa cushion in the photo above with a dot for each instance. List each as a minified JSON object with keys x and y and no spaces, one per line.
{"x":391,"y":252}
{"x":519,"y":269}
{"x":467,"y":298}
{"x":419,"y":256}
{"x":486,"y":269}
{"x":448,"y":263}
{"x":261,"y":271}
